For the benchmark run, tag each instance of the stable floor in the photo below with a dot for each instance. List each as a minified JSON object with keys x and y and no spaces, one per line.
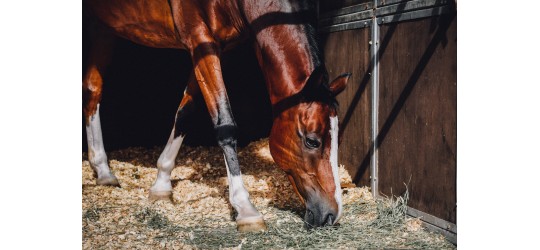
{"x":200,"y":215}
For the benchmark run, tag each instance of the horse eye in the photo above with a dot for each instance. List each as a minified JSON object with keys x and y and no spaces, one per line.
{"x":312,"y":143}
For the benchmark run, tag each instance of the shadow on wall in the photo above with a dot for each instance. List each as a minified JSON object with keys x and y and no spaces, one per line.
{"x":143,"y":87}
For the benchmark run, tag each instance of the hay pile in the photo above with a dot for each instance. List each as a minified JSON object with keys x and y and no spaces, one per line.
{"x":201,"y":216}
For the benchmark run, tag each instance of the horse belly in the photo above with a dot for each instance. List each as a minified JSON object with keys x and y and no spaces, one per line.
{"x":148,"y":23}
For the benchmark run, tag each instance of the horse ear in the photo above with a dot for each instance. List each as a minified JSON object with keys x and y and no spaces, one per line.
{"x":339,"y":84}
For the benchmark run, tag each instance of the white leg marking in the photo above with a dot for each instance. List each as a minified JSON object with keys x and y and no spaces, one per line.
{"x":239,"y":197}
{"x":166,"y":163}
{"x":334,"y":162}
{"x":96,"y":149}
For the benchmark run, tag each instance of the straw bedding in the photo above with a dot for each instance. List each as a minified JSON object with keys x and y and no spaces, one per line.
{"x":200,"y":216}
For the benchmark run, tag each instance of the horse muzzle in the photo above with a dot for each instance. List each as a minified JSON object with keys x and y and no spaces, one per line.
{"x":319,"y":214}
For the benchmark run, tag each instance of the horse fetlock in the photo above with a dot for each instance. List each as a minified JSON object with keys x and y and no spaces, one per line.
{"x":165,"y":165}
{"x":240,"y":196}
{"x":161,"y":185}
{"x":97,"y":158}
{"x":245,"y":209}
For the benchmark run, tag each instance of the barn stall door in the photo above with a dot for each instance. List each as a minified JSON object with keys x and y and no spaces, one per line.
{"x":348,"y":51}
{"x":399,"y":115}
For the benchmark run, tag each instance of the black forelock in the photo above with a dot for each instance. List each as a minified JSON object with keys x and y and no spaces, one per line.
{"x":316,"y":89}
{"x":320,"y":93}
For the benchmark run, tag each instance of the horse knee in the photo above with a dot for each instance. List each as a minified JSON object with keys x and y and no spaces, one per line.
{"x":91,"y":101}
{"x":91,"y":98}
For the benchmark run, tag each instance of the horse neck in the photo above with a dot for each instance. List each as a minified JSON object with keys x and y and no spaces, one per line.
{"x":285,"y":45}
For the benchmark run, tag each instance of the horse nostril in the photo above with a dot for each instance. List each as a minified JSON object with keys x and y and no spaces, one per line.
{"x":329,"y":220}
{"x":309,"y":219}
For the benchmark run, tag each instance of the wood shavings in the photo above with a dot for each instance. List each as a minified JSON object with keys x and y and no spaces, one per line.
{"x":200,"y":215}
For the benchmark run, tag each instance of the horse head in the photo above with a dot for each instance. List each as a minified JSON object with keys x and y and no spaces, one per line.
{"x":304,"y":143}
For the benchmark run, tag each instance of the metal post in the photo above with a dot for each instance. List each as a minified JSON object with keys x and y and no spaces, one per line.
{"x":374,"y":103}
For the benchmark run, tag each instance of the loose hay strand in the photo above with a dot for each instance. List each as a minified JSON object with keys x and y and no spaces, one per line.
{"x":201,"y":217}
{"x":391,"y":212}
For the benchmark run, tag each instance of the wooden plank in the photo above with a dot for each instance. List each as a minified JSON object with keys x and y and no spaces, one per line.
{"x":346,"y":10}
{"x":417,"y":113}
{"x":348,"y":51}
{"x":329,"y":5}
{"x":409,"y":6}
{"x":362,"y":15}
{"x":345,"y":26}
{"x":388,"y":2}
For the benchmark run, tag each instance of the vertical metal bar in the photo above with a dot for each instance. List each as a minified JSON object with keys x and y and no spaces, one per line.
{"x":374,"y":103}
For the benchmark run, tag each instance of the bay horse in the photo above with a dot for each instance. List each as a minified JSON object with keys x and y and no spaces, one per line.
{"x":304,"y":135}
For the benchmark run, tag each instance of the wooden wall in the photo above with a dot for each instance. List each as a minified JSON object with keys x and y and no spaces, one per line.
{"x":417,"y":113}
{"x":348,"y":51}
{"x":416,"y":109}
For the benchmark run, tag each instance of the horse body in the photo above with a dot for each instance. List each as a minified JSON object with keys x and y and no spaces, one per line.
{"x":303,"y":139}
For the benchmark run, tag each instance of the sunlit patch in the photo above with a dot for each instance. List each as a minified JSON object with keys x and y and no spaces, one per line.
{"x":344,"y":176}
{"x":182,"y":173}
{"x":413,"y":224}
{"x":264,"y":153}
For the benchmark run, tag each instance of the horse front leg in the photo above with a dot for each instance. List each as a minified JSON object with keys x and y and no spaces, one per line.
{"x":162,"y":187}
{"x":204,"y":49}
{"x":92,"y":87}
{"x":207,"y":69}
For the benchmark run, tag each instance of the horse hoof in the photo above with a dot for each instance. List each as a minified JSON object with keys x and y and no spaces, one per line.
{"x":256,"y":224}
{"x":108,"y":181}
{"x":160,"y":195}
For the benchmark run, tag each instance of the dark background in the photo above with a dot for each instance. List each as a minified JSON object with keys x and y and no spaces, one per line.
{"x":143,"y":87}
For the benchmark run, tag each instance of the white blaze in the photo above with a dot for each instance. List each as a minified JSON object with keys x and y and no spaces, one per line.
{"x":334,"y":163}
